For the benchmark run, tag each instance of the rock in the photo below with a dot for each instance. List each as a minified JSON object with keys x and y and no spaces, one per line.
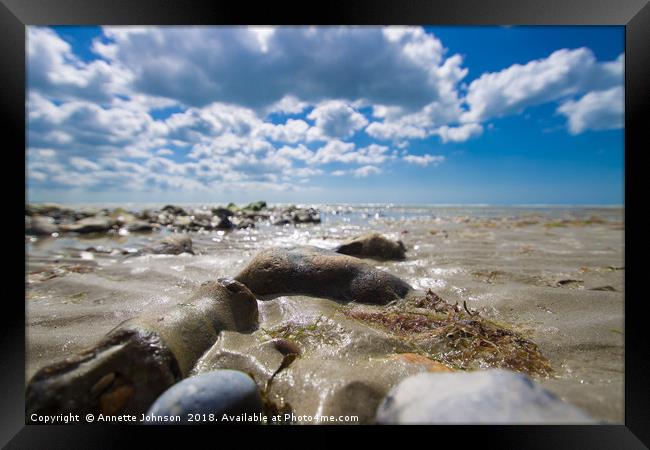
{"x":222,"y":212}
{"x":222,"y":223}
{"x":171,"y":245}
{"x":40,"y":225}
{"x":374,"y":245}
{"x":244,"y":223}
{"x":293,"y":215}
{"x":182,"y":222}
{"x":321,"y":273}
{"x":201,"y":223}
{"x":162,"y":218}
{"x":256,"y":206}
{"x":309,"y":215}
{"x":138,"y":360}
{"x":49,"y":209}
{"x":175,"y":210}
{"x":221,"y":392}
{"x":96,"y":224}
{"x":139,"y":225}
{"x":484,"y":397}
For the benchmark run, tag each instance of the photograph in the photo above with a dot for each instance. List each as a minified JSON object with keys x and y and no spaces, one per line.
{"x":325,"y":225}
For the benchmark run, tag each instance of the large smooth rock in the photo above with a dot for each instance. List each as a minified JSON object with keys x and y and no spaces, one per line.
{"x":374,"y":245}
{"x":171,"y":245}
{"x":40,"y":225}
{"x":98,"y":224}
{"x":142,"y":357}
{"x":320,"y":273}
{"x":221,"y":392}
{"x":489,"y":397}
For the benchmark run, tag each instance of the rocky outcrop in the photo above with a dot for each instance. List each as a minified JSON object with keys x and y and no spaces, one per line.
{"x":320,"y":273}
{"x":374,"y":245}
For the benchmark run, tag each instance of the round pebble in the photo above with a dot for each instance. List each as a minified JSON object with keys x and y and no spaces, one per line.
{"x":218,"y":393}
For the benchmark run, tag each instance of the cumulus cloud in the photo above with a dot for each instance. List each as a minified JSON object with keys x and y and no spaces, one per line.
{"x":336,"y":119}
{"x":395,"y":66}
{"x":54,"y":70}
{"x":563,"y":73}
{"x":598,"y":110}
{"x":424,"y":160}
{"x":460,"y":133}
{"x":254,"y":107}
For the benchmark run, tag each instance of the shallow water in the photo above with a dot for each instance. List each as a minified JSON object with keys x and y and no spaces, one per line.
{"x":519,"y":265}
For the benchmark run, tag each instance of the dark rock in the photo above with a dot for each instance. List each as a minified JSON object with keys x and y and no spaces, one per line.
{"x":320,"y":273}
{"x":223,"y":223}
{"x":374,"y":245}
{"x":220,"y":392}
{"x":175,"y":210}
{"x":489,"y":397}
{"x":171,"y":245}
{"x":222,"y":212}
{"x":40,"y":225}
{"x":138,"y":360}
{"x":309,"y":215}
{"x":139,"y":225}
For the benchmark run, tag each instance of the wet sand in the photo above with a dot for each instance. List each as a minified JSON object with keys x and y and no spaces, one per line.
{"x":555,"y":275}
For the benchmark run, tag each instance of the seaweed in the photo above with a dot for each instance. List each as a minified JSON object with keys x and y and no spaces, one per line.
{"x":321,"y":331}
{"x":455,"y":335}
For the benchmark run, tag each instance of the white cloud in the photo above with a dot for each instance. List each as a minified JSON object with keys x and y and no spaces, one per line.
{"x":261,"y":67}
{"x":597,"y":110}
{"x":336,"y":119}
{"x":459,"y":134}
{"x":563,"y":73}
{"x":288,"y":105}
{"x":54,"y":70}
{"x":91,"y":123}
{"x":424,"y":160}
{"x":365,"y":171}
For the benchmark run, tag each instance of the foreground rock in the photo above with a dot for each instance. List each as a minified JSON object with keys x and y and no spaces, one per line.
{"x":321,"y":273}
{"x":142,"y":357}
{"x":171,"y":245}
{"x":488,"y":397}
{"x":374,"y":245}
{"x":220,"y":392}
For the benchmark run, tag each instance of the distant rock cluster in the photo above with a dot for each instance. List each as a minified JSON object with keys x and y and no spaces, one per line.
{"x":48,"y":219}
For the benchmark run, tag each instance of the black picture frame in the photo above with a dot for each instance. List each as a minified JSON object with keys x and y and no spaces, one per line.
{"x":633,"y":14}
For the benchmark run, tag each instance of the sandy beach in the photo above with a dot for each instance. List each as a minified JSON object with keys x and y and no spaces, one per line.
{"x":553,"y":274}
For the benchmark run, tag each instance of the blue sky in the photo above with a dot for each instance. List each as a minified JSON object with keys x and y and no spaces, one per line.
{"x":500,"y":115}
